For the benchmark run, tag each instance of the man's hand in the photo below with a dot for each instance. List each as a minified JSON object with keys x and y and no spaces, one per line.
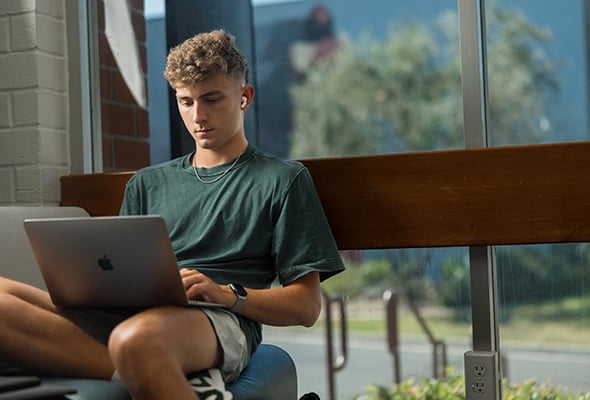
{"x":200,"y":287}
{"x":297,"y":303}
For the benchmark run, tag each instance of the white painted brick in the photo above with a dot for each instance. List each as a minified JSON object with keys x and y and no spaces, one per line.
{"x":51,"y":35}
{"x":23,"y":32}
{"x":50,"y":182}
{"x":5,"y":111}
{"x":53,"y":8}
{"x":19,"y":147}
{"x":52,"y":72}
{"x":16,"y":6}
{"x":19,"y":70}
{"x":54,"y":148}
{"x":26,"y":108}
{"x":33,"y":197}
{"x":7,"y":185}
{"x":53,"y":110}
{"x":28,"y":178}
{"x":39,"y":184}
{"x":40,"y":107}
{"x":4,"y":34}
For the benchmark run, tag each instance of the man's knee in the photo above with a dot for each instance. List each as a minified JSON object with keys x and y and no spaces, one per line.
{"x":16,"y":292}
{"x":8,"y":294}
{"x":134,"y":338}
{"x":6,"y":285}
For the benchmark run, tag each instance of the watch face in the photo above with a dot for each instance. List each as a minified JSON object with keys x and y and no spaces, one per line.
{"x":238,"y":289}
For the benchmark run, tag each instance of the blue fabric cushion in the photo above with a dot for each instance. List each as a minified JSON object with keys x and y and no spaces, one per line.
{"x":270,"y":375}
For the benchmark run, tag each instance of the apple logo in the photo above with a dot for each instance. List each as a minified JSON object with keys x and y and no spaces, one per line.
{"x":105,"y":263}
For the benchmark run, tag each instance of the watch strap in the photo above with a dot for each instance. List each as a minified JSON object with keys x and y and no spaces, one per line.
{"x":240,"y":299}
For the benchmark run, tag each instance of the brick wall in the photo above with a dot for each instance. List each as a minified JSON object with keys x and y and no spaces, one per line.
{"x":33,"y":101}
{"x":125,"y":127}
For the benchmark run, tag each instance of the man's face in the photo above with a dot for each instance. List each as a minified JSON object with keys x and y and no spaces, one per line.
{"x":212,"y":111}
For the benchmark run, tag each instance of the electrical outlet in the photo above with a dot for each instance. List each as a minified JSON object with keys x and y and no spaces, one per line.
{"x":482,"y":381}
{"x":479,"y":386}
{"x":479,"y":370}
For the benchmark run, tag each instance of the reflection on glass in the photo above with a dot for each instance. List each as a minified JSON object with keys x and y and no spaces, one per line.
{"x":433,"y":304}
{"x":348,"y":78}
{"x":545,"y":314}
{"x":536,"y":72}
{"x":342,"y":77}
{"x":537,"y":93}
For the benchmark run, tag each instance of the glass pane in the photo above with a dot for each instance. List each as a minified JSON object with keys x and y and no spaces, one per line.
{"x":545,"y":314}
{"x":537,"y":74}
{"x":350,"y":78}
{"x":342,"y":77}
{"x":433,"y":304}
{"x":536,"y":55}
{"x":158,"y":107}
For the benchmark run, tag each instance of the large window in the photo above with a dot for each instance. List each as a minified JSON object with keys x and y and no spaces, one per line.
{"x":343,"y":77}
{"x":339,"y":78}
{"x":536,"y":57}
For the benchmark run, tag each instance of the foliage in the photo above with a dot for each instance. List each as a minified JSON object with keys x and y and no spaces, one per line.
{"x":370,"y":98}
{"x":533,"y":273}
{"x":521,"y":78}
{"x":371,"y":278}
{"x":405,"y":94}
{"x":454,"y":285}
{"x":526,"y":274}
{"x":368,"y":280}
{"x":454,"y":389}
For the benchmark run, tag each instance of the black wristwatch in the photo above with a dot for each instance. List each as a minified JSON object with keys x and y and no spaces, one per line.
{"x":241,"y":295}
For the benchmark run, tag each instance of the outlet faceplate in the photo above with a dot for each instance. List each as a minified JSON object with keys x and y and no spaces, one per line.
{"x":482,"y":381}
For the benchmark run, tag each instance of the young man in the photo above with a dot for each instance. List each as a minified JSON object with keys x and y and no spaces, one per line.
{"x":238,"y":219}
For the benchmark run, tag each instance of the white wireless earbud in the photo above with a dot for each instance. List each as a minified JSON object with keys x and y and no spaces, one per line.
{"x":244,"y":101}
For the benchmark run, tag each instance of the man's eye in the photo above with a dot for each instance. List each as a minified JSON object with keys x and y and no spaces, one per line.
{"x":212,"y":99}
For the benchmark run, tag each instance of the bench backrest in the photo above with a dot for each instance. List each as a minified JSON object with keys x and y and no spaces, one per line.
{"x":491,"y":196}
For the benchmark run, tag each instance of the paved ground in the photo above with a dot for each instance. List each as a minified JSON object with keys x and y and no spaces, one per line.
{"x":370,"y":362}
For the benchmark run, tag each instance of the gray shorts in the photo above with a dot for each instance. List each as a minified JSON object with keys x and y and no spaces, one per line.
{"x":234,"y":353}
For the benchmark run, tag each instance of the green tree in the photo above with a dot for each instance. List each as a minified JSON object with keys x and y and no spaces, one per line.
{"x":405,"y":94}
{"x":522,"y":78}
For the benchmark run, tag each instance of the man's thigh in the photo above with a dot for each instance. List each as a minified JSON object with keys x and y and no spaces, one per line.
{"x":28,"y":293}
{"x":99,"y":323}
{"x":186,"y":333}
{"x":198,"y":339}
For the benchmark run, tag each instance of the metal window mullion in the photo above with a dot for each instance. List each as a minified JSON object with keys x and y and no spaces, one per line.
{"x":473,"y":72}
{"x":90,"y":87}
{"x":475,"y":105}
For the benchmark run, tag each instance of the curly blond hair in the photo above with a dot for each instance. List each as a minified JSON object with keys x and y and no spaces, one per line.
{"x":204,"y":56}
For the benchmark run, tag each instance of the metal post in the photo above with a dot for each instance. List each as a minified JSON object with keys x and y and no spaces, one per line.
{"x":335,"y":364}
{"x":482,"y":263}
{"x":391,"y":304}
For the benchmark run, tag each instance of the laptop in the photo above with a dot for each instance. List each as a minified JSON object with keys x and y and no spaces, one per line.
{"x":108,"y":262}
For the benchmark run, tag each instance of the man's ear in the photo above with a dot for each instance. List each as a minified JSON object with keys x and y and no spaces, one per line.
{"x":247,"y":96}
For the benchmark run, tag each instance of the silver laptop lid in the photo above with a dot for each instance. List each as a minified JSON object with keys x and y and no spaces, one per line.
{"x":106,"y":261}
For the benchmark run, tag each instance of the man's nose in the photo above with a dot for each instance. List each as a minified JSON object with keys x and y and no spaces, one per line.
{"x":199,"y":112}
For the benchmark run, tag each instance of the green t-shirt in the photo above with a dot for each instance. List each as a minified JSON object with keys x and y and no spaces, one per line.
{"x":262,"y":220}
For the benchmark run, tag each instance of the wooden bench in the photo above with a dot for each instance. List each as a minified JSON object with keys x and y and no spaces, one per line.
{"x":476,"y":198}
{"x":492,"y":196}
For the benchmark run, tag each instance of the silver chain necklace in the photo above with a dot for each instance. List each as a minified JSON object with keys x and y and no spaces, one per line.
{"x":220,"y":176}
